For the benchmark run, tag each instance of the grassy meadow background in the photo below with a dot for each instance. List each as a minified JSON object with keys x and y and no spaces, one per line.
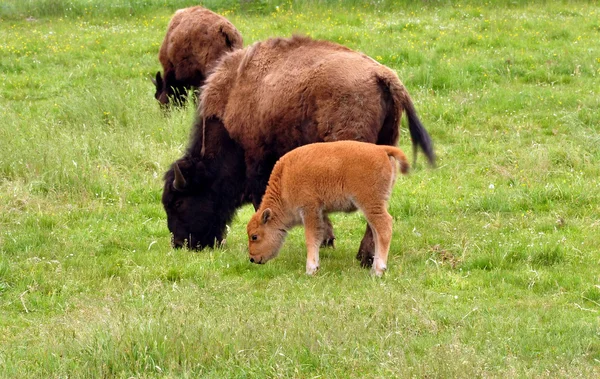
{"x":494,"y":268}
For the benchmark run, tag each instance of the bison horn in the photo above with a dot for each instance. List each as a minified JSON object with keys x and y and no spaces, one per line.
{"x":158,"y":81}
{"x":179,"y":181}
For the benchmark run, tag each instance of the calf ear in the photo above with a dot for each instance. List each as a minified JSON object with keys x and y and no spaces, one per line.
{"x":266,"y":215}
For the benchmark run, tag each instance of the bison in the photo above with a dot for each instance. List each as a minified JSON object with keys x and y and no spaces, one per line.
{"x":265,"y":100}
{"x":313,"y":180}
{"x":196,"y":38}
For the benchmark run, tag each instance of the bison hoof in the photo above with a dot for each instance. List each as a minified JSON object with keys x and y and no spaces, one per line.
{"x":328,"y":242}
{"x":365,"y":258}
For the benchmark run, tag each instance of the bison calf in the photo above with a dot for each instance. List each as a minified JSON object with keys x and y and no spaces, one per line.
{"x":313,"y":180}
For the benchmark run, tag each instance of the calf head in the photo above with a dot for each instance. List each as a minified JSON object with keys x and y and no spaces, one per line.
{"x":202,"y":192}
{"x":169,"y":89}
{"x":265,"y":236}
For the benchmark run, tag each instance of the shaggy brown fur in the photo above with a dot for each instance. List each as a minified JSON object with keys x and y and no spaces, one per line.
{"x":196,"y":38}
{"x":282,"y":93}
{"x":316,"y":179}
{"x":272,"y":97}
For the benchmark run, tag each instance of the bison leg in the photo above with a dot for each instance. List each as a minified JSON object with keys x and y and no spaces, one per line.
{"x":256,"y":190}
{"x":313,"y":233}
{"x":257,"y":176}
{"x":366,"y":252}
{"x":329,"y":237}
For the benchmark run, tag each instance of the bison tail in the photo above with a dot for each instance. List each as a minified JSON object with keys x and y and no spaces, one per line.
{"x":418,"y":134}
{"x":399,"y":155}
{"x":402,"y":101}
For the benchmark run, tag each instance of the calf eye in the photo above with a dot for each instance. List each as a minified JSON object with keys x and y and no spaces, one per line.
{"x":254,"y":237}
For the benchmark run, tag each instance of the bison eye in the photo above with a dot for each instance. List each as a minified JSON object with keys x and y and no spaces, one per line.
{"x":254,"y":237}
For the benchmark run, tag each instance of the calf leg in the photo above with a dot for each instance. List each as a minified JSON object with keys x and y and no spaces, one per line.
{"x":381,"y":224}
{"x":313,"y":233}
{"x":329,"y":237}
{"x":366,"y":251}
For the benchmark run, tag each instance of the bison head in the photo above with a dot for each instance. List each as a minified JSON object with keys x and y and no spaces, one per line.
{"x":203,"y":191}
{"x":169,"y":89}
{"x":187,"y":202}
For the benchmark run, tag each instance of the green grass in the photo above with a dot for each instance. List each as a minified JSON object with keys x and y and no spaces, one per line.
{"x":494,"y":265}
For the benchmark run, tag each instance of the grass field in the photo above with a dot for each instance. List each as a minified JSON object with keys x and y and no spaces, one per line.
{"x":494,"y":269}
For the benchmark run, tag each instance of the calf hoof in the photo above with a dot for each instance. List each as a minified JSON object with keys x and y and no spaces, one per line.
{"x":379,"y":267}
{"x":311,"y":270}
{"x":378,"y":271}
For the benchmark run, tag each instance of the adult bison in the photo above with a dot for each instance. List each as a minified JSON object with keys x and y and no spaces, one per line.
{"x":260,"y":103}
{"x":196,"y":38}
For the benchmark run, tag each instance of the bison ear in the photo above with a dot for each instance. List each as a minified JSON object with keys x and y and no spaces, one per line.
{"x":179,"y":183}
{"x":266,"y":215}
{"x":227,"y":40}
{"x":201,"y":173}
{"x":230,"y":38}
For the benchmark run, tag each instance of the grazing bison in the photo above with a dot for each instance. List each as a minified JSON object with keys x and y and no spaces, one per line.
{"x":196,"y":38}
{"x":265,"y":100}
{"x":313,"y":180}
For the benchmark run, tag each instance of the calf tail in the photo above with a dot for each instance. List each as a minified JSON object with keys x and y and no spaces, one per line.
{"x":402,"y":102}
{"x":399,"y":155}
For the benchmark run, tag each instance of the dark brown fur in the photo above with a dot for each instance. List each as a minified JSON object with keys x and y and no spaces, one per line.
{"x":196,"y":39}
{"x":279,"y":94}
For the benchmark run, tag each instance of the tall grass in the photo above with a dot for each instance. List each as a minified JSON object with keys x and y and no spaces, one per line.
{"x":494,"y":263}
{"x":14,"y":9}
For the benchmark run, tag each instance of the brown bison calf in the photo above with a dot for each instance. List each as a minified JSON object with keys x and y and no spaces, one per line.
{"x":196,"y":39}
{"x":313,"y":180}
